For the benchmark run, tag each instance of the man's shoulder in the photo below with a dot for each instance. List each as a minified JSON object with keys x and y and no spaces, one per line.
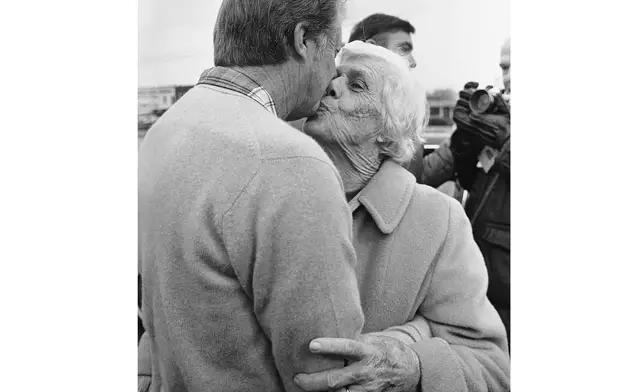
{"x":240,"y":117}
{"x":279,"y":140}
{"x":291,"y":153}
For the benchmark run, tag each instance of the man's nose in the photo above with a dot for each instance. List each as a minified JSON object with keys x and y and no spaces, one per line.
{"x":412,"y":61}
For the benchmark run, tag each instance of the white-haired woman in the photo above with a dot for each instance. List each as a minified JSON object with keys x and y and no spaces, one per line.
{"x":416,"y":254}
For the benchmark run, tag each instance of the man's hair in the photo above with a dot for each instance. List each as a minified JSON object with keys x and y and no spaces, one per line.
{"x":375,"y":24}
{"x":404,"y":108}
{"x":260,"y":32}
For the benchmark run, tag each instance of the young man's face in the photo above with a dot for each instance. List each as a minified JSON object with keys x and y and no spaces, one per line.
{"x":398,"y":42}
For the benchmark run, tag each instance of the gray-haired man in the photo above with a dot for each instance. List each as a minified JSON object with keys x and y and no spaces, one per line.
{"x":244,"y":231}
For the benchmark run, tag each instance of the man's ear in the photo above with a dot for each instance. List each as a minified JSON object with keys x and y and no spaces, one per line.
{"x":300,"y":38}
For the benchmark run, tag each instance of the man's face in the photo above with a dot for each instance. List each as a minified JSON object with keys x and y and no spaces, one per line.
{"x":505,"y":66}
{"x":351,"y":111}
{"x":398,"y":42}
{"x":322,"y":71}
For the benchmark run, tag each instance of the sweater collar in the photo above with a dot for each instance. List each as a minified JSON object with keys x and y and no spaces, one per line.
{"x":387,"y":196}
{"x":239,"y":82}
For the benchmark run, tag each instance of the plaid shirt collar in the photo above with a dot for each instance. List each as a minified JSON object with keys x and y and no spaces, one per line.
{"x":234,"y":80}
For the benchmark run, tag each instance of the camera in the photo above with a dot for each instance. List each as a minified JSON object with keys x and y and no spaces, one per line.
{"x":488,"y":102}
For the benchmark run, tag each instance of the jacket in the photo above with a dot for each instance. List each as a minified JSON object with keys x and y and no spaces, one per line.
{"x":417,"y":257}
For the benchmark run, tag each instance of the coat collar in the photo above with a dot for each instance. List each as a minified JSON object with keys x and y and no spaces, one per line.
{"x":386,"y":196}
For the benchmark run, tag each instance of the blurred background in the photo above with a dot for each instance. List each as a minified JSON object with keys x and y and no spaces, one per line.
{"x":456,"y":41}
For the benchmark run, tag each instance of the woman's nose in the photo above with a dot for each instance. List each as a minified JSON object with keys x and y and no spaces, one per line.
{"x":333,"y":90}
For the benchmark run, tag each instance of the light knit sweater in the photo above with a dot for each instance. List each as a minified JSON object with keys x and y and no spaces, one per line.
{"x":245,"y":248}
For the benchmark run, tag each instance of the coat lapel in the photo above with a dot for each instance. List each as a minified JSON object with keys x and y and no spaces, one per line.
{"x":387,"y":196}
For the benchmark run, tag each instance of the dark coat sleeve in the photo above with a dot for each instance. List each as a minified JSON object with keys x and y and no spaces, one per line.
{"x":438,"y":167}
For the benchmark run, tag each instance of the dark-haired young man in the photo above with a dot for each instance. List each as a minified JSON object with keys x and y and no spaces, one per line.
{"x":387,"y":31}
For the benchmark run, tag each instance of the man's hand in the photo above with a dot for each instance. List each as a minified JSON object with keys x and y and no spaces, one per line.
{"x":466,"y":142}
{"x":462,"y":110}
{"x":376,"y":363}
{"x":495,"y":125}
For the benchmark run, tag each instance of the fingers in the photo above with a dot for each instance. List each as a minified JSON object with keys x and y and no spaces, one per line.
{"x":346,"y":348}
{"x":331,"y":379}
{"x":471,"y":85}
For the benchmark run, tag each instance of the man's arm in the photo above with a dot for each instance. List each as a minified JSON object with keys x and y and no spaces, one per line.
{"x":468,"y":349}
{"x":438,"y":167}
{"x":304,"y":283}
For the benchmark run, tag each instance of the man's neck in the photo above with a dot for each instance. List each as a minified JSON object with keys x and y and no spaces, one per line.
{"x":356,"y":165}
{"x":279,"y":83}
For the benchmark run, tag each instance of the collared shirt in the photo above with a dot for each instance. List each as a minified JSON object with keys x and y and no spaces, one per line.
{"x":234,"y":80}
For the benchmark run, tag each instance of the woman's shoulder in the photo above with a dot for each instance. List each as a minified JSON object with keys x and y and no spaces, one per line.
{"x":429,"y":201}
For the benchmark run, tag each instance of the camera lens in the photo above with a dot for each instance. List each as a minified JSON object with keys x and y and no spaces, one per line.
{"x":481,"y":101}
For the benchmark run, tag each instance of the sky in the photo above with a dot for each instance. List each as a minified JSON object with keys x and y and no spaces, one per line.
{"x":456,"y":40}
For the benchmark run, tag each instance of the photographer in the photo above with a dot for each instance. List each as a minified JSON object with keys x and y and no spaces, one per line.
{"x":477,"y":157}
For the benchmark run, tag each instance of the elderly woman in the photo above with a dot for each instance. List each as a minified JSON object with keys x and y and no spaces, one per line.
{"x":421,"y":277}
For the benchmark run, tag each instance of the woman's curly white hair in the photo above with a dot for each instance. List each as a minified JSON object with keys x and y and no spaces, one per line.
{"x":405,"y":108}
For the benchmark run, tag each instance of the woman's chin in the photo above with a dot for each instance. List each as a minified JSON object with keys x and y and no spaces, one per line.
{"x":309,"y":126}
{"x":313,"y":124}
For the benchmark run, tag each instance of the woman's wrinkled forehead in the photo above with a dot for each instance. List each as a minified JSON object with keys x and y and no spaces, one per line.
{"x":362,"y":52}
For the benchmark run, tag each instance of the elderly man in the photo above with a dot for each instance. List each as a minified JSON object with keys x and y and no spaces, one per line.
{"x":244,"y":232}
{"x":422,"y":281}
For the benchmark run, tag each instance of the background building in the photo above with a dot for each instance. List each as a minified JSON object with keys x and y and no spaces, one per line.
{"x":441,"y":106}
{"x":154,"y":101}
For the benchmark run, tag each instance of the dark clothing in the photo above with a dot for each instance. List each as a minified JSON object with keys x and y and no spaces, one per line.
{"x":492,"y":234}
{"x":492,"y":226}
{"x":415,"y":166}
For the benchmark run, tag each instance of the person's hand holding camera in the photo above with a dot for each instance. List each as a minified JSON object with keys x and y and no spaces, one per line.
{"x":475,"y":131}
{"x":491,"y":128}
{"x":465,"y":142}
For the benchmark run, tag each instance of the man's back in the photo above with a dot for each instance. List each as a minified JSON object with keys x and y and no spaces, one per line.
{"x":229,"y":247}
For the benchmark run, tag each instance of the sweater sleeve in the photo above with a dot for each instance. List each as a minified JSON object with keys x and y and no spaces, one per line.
{"x":468,"y":349}
{"x":304,"y":284}
{"x":438,"y":167}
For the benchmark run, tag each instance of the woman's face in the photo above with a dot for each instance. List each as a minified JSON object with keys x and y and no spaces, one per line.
{"x":351,"y":110}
